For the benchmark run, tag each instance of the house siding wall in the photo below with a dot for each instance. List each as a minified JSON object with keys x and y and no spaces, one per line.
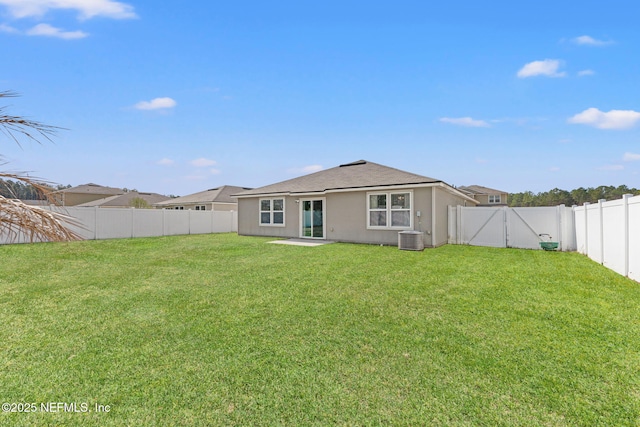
{"x":484,"y":199}
{"x":226,"y":207}
{"x":249,"y":215}
{"x":444,"y":199}
{"x":346,"y":218}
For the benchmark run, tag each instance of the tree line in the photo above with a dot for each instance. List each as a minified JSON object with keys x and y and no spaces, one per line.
{"x":11,"y":189}
{"x":579,"y":196}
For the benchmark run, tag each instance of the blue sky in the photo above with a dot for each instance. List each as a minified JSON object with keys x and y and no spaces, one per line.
{"x":178,"y":97}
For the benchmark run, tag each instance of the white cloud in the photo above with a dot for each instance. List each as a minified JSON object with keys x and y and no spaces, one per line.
{"x":465,"y":121}
{"x":156,"y":104}
{"x":49,"y":31}
{"x":547,"y":67}
{"x":590,"y":41}
{"x":611,"y":168}
{"x":614,"y":119}
{"x":165,"y":162}
{"x":202,"y":162}
{"x":86,"y":9}
{"x":215,"y":171}
{"x":8,"y":29}
{"x":583,"y":73}
{"x":630,"y":157}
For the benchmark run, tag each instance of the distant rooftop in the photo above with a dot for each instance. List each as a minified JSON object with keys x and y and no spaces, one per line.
{"x":217,"y":195}
{"x":478,"y":189}
{"x":125,"y":199}
{"x":92,"y":188}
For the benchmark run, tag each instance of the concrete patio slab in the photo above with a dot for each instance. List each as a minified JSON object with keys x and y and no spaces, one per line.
{"x":301,"y":242}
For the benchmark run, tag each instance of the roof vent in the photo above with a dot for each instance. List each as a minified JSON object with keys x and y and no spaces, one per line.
{"x":359,"y":162}
{"x":410,"y":241}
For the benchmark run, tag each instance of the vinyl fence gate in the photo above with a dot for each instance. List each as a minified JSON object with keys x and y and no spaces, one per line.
{"x":504,"y":227}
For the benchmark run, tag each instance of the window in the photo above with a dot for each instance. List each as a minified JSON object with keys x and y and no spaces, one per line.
{"x":181,"y":208}
{"x":272,"y":212}
{"x":201,"y":208}
{"x":494,"y":198}
{"x":389,"y":210}
{"x":378,"y":210}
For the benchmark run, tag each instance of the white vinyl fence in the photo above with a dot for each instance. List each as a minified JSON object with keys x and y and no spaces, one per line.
{"x":504,"y":227}
{"x":609,"y":233}
{"x":116,"y":223}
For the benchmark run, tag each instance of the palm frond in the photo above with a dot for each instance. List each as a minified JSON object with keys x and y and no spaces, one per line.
{"x":44,"y":188}
{"x":34,"y":224}
{"x":13,"y":126}
{"x":19,"y":221}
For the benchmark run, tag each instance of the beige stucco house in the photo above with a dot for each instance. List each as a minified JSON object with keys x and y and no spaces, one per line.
{"x":486,"y":196}
{"x":215,"y":199}
{"x":84,"y":193}
{"x":361,"y":202}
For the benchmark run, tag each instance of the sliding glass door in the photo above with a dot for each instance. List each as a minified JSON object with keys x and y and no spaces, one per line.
{"x":312,"y":218}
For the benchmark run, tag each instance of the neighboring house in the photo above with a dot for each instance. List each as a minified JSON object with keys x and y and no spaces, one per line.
{"x":132,"y":199}
{"x":84,"y":193}
{"x":361,"y":202}
{"x":486,"y":196}
{"x":215,"y":199}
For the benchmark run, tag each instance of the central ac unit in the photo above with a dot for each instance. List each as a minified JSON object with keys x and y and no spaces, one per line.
{"x":410,"y":241}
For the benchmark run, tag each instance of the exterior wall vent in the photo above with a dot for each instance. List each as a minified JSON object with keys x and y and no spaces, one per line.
{"x":410,"y":241}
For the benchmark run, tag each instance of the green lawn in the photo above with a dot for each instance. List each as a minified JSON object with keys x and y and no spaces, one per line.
{"x":229,"y":330}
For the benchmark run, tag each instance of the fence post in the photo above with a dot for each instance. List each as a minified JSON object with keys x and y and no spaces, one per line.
{"x":559,"y":226}
{"x":625,"y":206}
{"x":600,"y":209}
{"x":458,"y":235}
{"x":164,"y":215}
{"x":505,"y":225}
{"x":95,"y":230}
{"x":586,"y":228}
{"x":574,"y":237}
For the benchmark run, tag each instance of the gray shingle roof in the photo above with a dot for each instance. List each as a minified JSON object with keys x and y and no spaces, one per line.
{"x":92,"y":189}
{"x":478,"y":189}
{"x":124,"y":200}
{"x":218,"y":195}
{"x":360,"y":174}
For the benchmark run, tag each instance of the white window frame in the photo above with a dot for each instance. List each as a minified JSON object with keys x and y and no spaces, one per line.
{"x":271,"y":212}
{"x":495,"y":198}
{"x":389,"y":209}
